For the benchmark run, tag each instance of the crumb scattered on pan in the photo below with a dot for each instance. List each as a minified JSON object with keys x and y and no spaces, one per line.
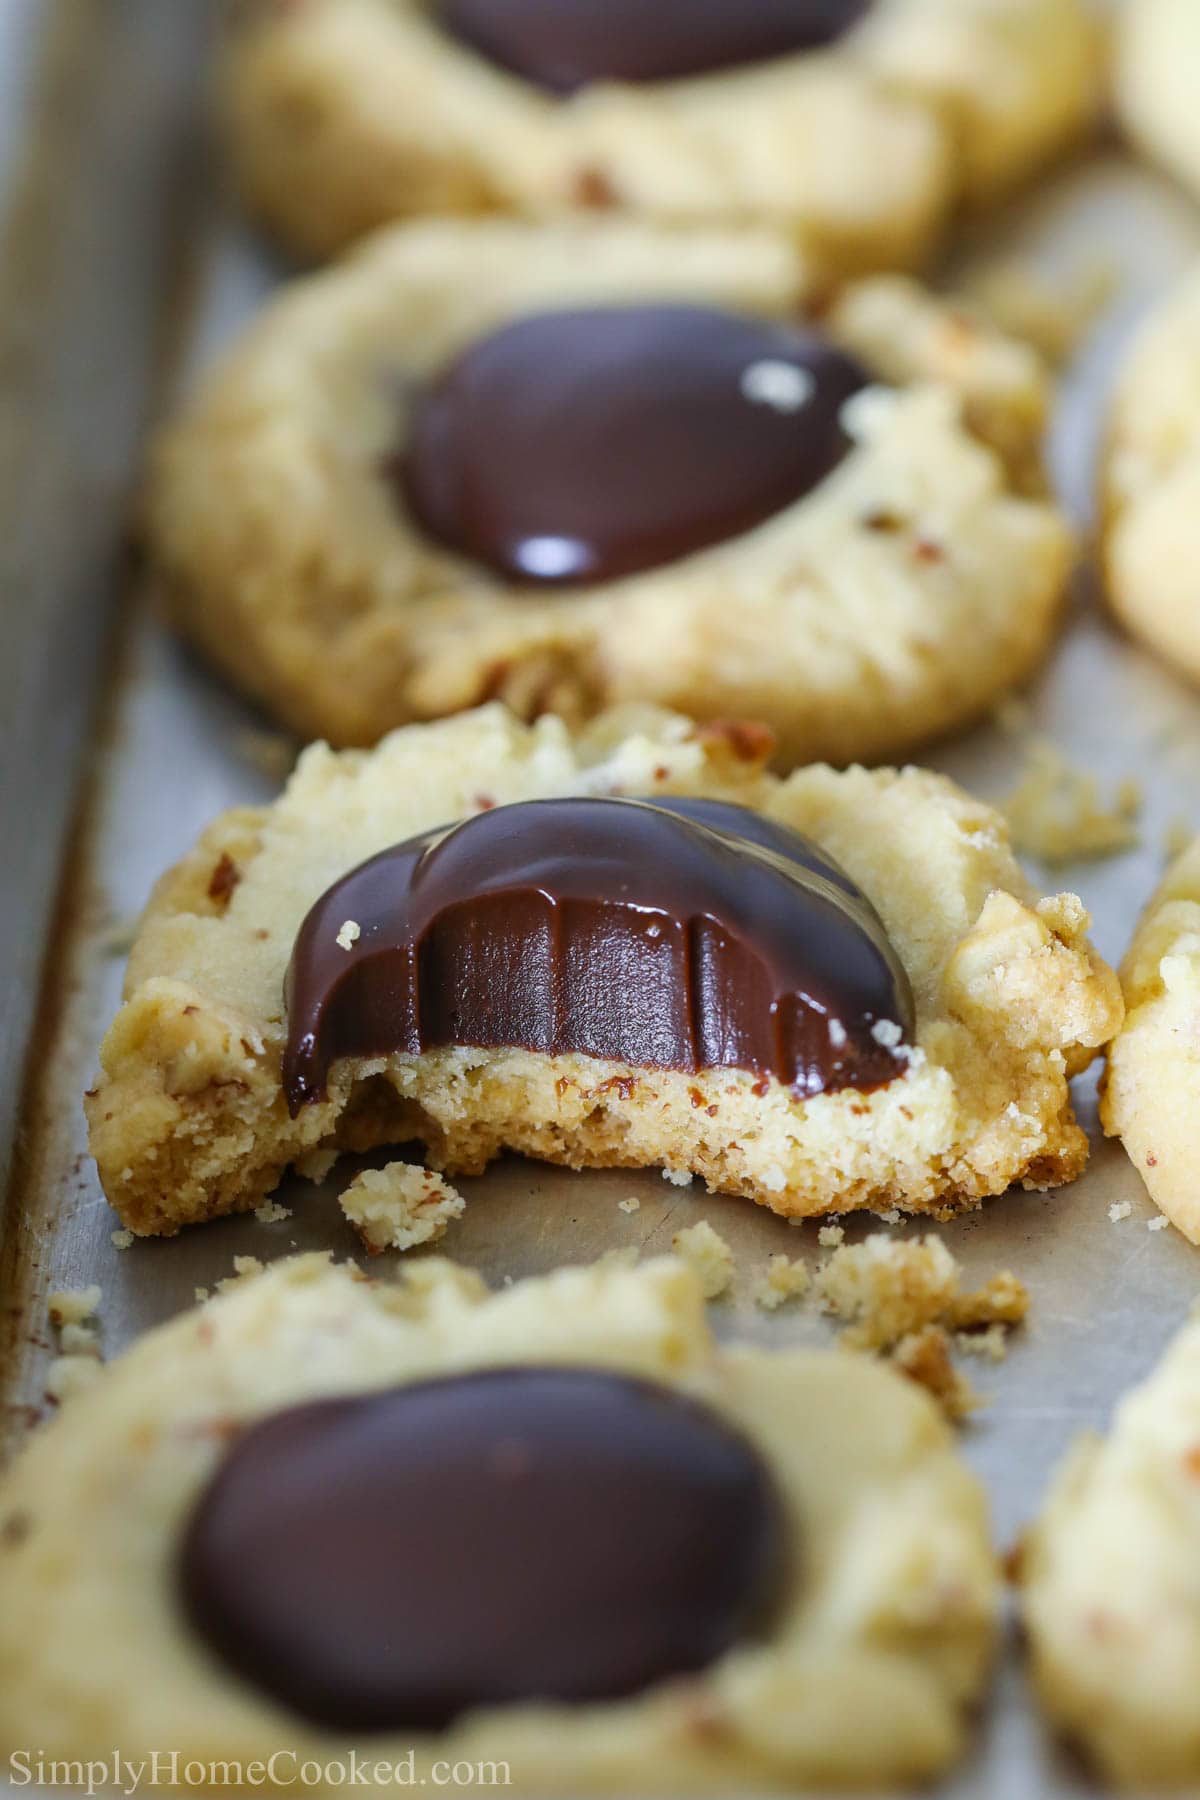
{"x":1159,"y":1224}
{"x":678,"y":1177}
{"x":992,"y":1342}
{"x":886,"y":1288}
{"x":74,"y":1306}
{"x":1002,"y":1300}
{"x":893,"y":1216}
{"x":924,"y":1356}
{"x":1120,"y":1209}
{"x":270,"y":1212}
{"x":400,"y":1206}
{"x":70,"y":1375}
{"x":121,"y":1240}
{"x":1057,"y":815}
{"x":706,"y":1251}
{"x":79,"y":1340}
{"x":830,"y":1236}
{"x":72,"y":1312}
{"x":348,"y":934}
{"x":244,"y":1268}
{"x":631,"y":1205}
{"x":784,"y":1280}
{"x":316,"y":1165}
{"x":1051,"y":312}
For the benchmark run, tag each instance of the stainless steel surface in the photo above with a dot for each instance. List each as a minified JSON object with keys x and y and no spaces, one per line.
{"x":174,"y":749}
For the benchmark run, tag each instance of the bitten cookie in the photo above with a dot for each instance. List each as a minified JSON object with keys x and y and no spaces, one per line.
{"x":1157,"y":75}
{"x":855,"y":125}
{"x":1151,"y":1092}
{"x":557,"y":1527}
{"x":1111,"y":1601}
{"x":571,"y":465}
{"x":1151,"y":482}
{"x":894,"y":1028}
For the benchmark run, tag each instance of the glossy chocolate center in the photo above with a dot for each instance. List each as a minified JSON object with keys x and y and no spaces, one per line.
{"x":677,"y":934}
{"x":389,"y":1561}
{"x":567,"y":44}
{"x":583,"y":446}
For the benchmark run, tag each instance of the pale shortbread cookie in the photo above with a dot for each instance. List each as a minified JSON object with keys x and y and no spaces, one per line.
{"x":345,"y":114}
{"x":1151,"y":481}
{"x":188,"y":1119}
{"x":1111,"y":1594}
{"x":1157,"y":79}
{"x":892,"y":1598}
{"x":1151,"y":1094}
{"x":895,"y":601}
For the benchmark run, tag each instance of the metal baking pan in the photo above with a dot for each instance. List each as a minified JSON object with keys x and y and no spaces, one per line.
{"x":124,"y":267}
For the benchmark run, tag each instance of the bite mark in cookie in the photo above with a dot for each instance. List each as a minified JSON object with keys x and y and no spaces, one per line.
{"x":190,"y":1117}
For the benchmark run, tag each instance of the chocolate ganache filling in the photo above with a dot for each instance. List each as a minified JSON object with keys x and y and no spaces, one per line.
{"x":572,"y":447}
{"x":563,"y":45}
{"x":672,"y":933}
{"x":388,"y":1561}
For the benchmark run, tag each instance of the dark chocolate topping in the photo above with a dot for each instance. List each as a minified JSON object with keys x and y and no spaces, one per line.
{"x":566,"y":44}
{"x":388,"y":1561}
{"x":678,"y":934}
{"x":582,"y":446}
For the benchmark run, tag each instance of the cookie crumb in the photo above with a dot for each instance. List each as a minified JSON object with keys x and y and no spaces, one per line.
{"x":830,"y":1236}
{"x":632,"y":1205}
{"x":891,"y":1292}
{"x":1056,"y":814}
{"x":79,"y":1340}
{"x":1159,"y":1224}
{"x":121,"y":1240}
{"x":399,"y":1206}
{"x":270,"y":1212}
{"x":992,"y":1342}
{"x":678,"y":1177}
{"x":349,"y":934}
{"x":1120,"y":1209}
{"x":885,"y":1288}
{"x":315,"y":1165}
{"x":924,"y":1356}
{"x":706,"y":1251}
{"x":1003,"y":1300}
{"x":892,"y":1216}
{"x":74,"y":1306}
{"x":784,"y":1280}
{"x":244,"y":1268}
{"x":70,"y":1375}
